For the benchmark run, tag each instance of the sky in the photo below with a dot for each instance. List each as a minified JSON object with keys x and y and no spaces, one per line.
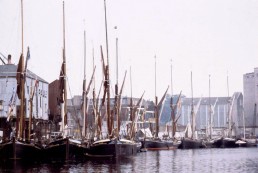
{"x":216,"y":38}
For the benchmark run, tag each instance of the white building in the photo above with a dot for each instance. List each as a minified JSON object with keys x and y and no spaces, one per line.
{"x":8,"y":86}
{"x":250,"y":85}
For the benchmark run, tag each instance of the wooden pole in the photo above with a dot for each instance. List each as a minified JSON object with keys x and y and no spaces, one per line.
{"x":64,"y":61}
{"x":107,"y":78}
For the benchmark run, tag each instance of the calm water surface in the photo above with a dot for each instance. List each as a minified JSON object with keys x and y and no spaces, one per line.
{"x":197,"y":160}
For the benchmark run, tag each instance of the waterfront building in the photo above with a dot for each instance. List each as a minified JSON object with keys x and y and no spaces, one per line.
{"x":250,"y":91}
{"x":75,"y":116}
{"x":226,"y":109}
{"x":10,"y":103}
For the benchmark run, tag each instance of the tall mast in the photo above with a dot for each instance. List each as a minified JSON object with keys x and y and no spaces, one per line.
{"x":171,"y":78}
{"x":243,"y":120}
{"x":84,"y":41}
{"x":107,"y":74}
{"x":229,"y":118}
{"x":116,"y":92}
{"x":156,"y":103}
{"x":131,"y":102}
{"x":192,"y":106}
{"x":95,"y":107}
{"x":171,"y":103}
{"x":227,"y":85}
{"x":117,"y":62}
{"x":210,"y":107}
{"x":155,"y":78}
{"x":64,"y":72}
{"x":84,"y":90}
{"x":22,"y":109}
{"x":93,"y":62}
{"x":22,"y":24}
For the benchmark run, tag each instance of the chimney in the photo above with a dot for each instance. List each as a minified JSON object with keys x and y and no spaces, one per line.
{"x":9,"y":59}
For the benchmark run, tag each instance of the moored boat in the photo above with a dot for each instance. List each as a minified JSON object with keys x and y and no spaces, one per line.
{"x":112,"y":148}
{"x":159,"y":144}
{"x":64,"y":149}
{"x":187,"y":143}
{"x":18,"y":150}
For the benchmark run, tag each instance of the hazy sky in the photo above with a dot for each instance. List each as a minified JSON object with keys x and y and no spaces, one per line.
{"x":207,"y":37}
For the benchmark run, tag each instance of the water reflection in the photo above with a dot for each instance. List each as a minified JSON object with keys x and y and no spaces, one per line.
{"x":197,"y":160}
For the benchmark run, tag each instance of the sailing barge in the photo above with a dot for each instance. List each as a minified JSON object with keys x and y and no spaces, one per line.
{"x":19,"y":144}
{"x":157,"y":143}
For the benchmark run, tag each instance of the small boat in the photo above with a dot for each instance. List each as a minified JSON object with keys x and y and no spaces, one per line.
{"x":246,"y":143}
{"x":241,"y":143}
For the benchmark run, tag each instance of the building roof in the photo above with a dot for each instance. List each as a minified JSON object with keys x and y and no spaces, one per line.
{"x":9,"y":70}
{"x":206,"y":100}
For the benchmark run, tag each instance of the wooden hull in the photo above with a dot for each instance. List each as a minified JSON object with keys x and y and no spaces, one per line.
{"x":225,"y":143}
{"x":159,"y":145}
{"x":190,"y":144}
{"x":112,"y":148}
{"x":63,"y":149}
{"x":15,"y":150}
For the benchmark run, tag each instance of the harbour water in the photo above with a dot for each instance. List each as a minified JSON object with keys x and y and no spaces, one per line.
{"x":192,"y":160}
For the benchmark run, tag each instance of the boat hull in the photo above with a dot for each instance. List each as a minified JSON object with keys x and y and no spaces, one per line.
{"x":159,"y":145}
{"x":64,"y":149}
{"x":112,"y":149}
{"x":225,"y":143}
{"x":15,"y":150}
{"x":190,"y":144}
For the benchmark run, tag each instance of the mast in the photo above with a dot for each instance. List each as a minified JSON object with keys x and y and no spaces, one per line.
{"x":156,"y":104}
{"x":63,"y":79}
{"x":31,"y":105}
{"x":84,"y":90}
{"x":21,"y":80}
{"x":192,"y":107}
{"x":109,"y":123}
{"x":229,"y":119}
{"x":243,"y":120}
{"x":171,"y":78}
{"x":22,"y":24}
{"x":116,"y":92}
{"x":65,"y":93}
{"x":171,"y":104}
{"x":117,"y":62}
{"x":210,"y":107}
{"x":22,"y":99}
{"x":131,"y":101}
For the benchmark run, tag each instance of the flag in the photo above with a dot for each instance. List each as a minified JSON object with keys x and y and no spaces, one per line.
{"x":27,"y":59}
{"x":19,"y":76}
{"x":28,"y":54}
